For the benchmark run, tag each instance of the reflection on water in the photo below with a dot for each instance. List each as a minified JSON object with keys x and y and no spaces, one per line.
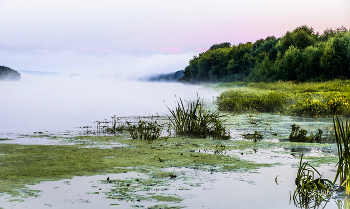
{"x":267,"y":188}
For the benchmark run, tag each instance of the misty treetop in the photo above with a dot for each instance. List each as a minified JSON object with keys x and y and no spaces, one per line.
{"x":300,"y":55}
{"x":7,"y":73}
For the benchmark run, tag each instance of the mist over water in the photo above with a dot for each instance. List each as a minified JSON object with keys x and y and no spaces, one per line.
{"x":54,"y":103}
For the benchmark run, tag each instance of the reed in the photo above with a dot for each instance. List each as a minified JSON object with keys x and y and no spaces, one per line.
{"x":342,"y":137}
{"x":310,"y":190}
{"x":194,"y":120}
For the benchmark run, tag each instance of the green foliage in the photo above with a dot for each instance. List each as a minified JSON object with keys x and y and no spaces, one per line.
{"x":300,"y":55}
{"x":342,"y":137}
{"x":256,"y":136}
{"x":299,"y":135}
{"x":309,"y":108}
{"x":303,"y":99}
{"x":238,"y":101}
{"x":194,"y":120}
{"x":220,"y":46}
{"x":116,"y":125}
{"x":310,"y":191}
{"x":145,"y":130}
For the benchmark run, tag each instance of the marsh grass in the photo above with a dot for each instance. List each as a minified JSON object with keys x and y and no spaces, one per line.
{"x":239,"y":101}
{"x":311,"y":190}
{"x":145,"y":130}
{"x":194,"y":120}
{"x":322,"y":99}
{"x":342,"y":137}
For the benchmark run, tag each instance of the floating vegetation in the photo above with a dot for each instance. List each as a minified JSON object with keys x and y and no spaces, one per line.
{"x":342,"y":137}
{"x":299,"y":135}
{"x":145,"y":130}
{"x":194,"y":120}
{"x":310,"y":190}
{"x":256,"y":136}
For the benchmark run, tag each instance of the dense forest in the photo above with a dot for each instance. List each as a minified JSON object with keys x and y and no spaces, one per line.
{"x":300,"y":55}
{"x":7,"y":73}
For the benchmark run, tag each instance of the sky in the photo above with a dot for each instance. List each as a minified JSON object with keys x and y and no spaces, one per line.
{"x":136,"y":38}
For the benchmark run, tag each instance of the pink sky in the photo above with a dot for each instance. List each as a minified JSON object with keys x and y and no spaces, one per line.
{"x":91,"y":34}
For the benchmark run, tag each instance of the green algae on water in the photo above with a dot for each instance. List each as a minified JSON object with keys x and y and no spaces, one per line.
{"x":31,"y":164}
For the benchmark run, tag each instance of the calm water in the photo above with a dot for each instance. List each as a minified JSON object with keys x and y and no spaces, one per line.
{"x":59,"y":104}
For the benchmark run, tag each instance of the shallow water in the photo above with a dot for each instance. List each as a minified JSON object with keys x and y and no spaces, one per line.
{"x":199,"y":189}
{"x":56,"y":107}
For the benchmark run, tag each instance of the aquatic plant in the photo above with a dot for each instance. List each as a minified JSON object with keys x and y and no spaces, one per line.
{"x":299,"y":135}
{"x":256,"y":136}
{"x":342,"y":138}
{"x":116,"y":125}
{"x":194,"y":120}
{"x":145,"y":130}
{"x":310,"y":190}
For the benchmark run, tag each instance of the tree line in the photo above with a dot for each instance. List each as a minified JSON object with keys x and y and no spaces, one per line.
{"x":300,"y":55}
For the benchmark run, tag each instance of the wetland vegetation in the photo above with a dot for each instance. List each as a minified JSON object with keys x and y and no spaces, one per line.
{"x":310,"y":99}
{"x":259,"y":121}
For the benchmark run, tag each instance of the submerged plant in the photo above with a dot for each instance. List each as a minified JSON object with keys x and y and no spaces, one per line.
{"x":145,"y":130}
{"x":310,"y":190}
{"x":342,"y":137}
{"x":194,"y":120}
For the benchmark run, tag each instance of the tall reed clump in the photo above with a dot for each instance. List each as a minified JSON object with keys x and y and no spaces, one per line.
{"x":310,"y":190}
{"x":342,"y":137}
{"x":194,"y":120}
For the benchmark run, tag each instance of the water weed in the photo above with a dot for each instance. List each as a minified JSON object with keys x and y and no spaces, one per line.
{"x":299,"y":135}
{"x":256,"y":136}
{"x":145,"y":130}
{"x":310,"y":190}
{"x":342,"y":137}
{"x":194,"y":120}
